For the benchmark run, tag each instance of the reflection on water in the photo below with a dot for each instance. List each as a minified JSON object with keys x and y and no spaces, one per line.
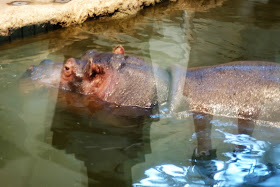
{"x":43,"y":142}
{"x":165,"y":175}
{"x":245,"y":167}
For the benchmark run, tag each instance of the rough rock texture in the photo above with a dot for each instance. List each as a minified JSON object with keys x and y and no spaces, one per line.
{"x":73,"y":12}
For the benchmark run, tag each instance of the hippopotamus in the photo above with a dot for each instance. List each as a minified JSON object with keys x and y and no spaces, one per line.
{"x":241,"y":89}
{"x":112,"y":77}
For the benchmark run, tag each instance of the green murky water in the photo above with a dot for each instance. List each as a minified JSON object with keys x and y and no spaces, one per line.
{"x":44,"y":145}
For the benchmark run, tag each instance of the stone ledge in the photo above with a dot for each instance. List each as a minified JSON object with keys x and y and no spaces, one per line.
{"x":46,"y":12}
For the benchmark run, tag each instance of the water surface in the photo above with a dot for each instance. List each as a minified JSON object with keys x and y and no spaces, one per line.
{"x":45,"y":144}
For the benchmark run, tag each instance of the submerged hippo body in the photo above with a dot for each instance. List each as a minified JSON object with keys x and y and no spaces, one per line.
{"x":249,"y":90}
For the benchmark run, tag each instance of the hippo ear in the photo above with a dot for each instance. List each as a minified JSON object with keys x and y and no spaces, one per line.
{"x":92,"y":69}
{"x":118,"y":50}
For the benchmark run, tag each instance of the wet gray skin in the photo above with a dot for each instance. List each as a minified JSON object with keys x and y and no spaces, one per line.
{"x":133,"y":82}
{"x":245,"y":89}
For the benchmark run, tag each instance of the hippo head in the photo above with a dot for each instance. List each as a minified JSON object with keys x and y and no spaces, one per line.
{"x":123,"y":80}
{"x":99,"y":71}
{"x":82,"y":76}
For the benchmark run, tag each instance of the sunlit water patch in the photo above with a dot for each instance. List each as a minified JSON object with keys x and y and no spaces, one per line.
{"x":248,"y":166}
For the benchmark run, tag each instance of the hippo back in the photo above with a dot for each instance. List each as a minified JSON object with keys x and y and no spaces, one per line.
{"x":237,"y":89}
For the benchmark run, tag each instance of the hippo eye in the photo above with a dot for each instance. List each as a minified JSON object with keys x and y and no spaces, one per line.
{"x":67,"y":68}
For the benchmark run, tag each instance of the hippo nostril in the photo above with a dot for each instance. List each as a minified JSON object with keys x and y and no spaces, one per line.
{"x":31,"y":68}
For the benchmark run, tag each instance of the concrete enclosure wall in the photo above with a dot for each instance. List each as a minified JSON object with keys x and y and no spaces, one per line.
{"x":19,"y":14}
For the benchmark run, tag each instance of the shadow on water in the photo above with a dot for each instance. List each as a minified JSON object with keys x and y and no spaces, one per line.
{"x":108,"y":139}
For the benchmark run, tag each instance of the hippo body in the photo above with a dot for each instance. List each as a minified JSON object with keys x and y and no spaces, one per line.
{"x":245,"y":89}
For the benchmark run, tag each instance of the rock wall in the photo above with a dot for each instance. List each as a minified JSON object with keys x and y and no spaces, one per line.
{"x":18,"y":14}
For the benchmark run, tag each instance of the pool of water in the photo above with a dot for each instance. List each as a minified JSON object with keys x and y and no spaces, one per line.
{"x":44,"y":144}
